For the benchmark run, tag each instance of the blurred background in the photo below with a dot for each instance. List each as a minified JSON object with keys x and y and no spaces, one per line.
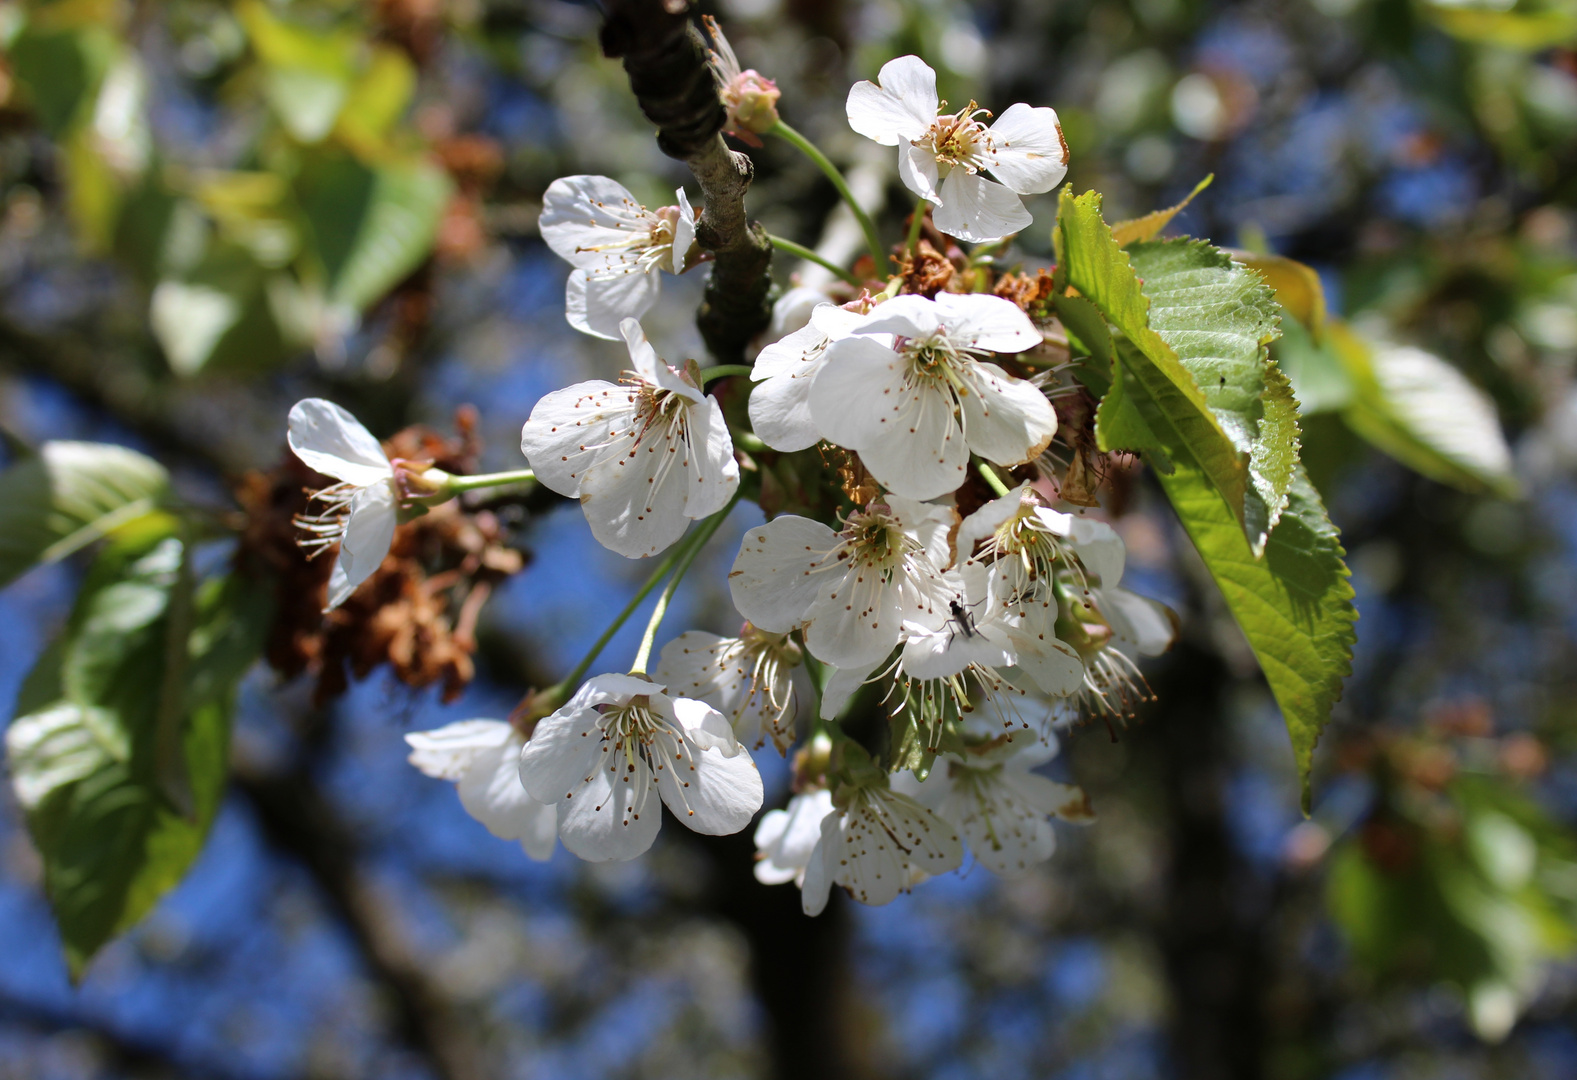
{"x":208,"y":211}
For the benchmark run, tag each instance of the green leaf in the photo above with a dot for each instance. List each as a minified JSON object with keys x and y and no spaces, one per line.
{"x":62,"y":69}
{"x":372,"y":226}
{"x":87,"y":759}
{"x":1426,"y":414}
{"x":1219,"y":318}
{"x":1150,"y":225}
{"x":1527,"y":25}
{"x":1093,"y":264}
{"x":68,"y":496}
{"x":307,"y":72}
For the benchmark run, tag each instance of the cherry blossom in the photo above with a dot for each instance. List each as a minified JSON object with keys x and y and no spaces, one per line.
{"x":915,"y":404}
{"x":876,"y":844}
{"x":853,"y":590}
{"x":617,"y":246}
{"x":750,"y":98}
{"x":621,"y":744}
{"x":643,"y":458}
{"x":786,"y":838}
{"x":362,"y":509}
{"x":780,"y":403}
{"x":483,"y":758}
{"x":941,"y":156}
{"x":747,"y":678}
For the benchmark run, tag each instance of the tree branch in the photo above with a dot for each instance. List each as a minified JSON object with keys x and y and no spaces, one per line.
{"x":666,"y":60}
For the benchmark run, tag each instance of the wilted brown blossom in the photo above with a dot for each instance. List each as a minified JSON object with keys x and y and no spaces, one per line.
{"x":418,"y":611}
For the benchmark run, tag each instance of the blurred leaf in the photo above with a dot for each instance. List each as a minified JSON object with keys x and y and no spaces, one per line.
{"x":84,"y":749}
{"x":62,"y":70}
{"x":1318,"y":377}
{"x":70,"y":495}
{"x":372,"y":226}
{"x":1526,"y":25}
{"x":379,"y":98}
{"x":1150,"y":226}
{"x":307,"y":72}
{"x":1219,"y":318}
{"x":1425,"y":413}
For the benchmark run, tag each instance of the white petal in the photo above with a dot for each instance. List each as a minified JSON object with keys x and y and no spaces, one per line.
{"x":817,"y":886}
{"x":922,"y":454}
{"x":374,"y":512}
{"x":792,"y":353}
{"x":1006,"y":420}
{"x":1028,"y":154}
{"x":856,"y":396}
{"x":1140,"y":624}
{"x":787,"y":838}
{"x":1066,"y":801}
{"x":987,"y":322}
{"x":333,"y":442}
{"x":705,"y":725}
{"x":713,"y":473}
{"x":445,"y":753}
{"x":842,"y":685}
{"x":930,"y":524}
{"x":857,"y":619}
{"x":983,"y":523}
{"x":492,"y":793}
{"x":568,"y":429}
{"x":710,"y":793}
{"x":596,"y":305}
{"x":1007,"y":834}
{"x":635,"y":503}
{"x":648,"y":365}
{"x":771,"y":581}
{"x":976,"y":209}
{"x":791,"y":312}
{"x":562,"y":754}
{"x":581,"y":213}
{"x":780,"y":412}
{"x":1049,"y":662}
{"x":684,"y":231}
{"x":1100,"y":549}
{"x":615,"y":815}
{"x":918,"y":170}
{"x":902,"y":107}
{"x":909,"y":315}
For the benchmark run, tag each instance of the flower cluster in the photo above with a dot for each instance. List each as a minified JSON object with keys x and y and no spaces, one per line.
{"x":961,"y":616}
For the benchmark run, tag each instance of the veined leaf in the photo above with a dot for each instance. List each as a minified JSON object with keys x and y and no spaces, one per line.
{"x":1219,"y":319}
{"x":1093,"y":264}
{"x":1297,"y":287}
{"x":68,"y":496}
{"x":85,"y":748}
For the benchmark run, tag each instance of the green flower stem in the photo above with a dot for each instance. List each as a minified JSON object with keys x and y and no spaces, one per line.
{"x":912,"y":244}
{"x":802,"y":252}
{"x":723,"y":371}
{"x":989,"y":475}
{"x":810,"y":150}
{"x":691,"y":550}
{"x":456,"y":484}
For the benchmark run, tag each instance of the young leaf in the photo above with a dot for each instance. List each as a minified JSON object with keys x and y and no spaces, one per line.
{"x":84,"y":749}
{"x":1094,"y":265}
{"x":68,"y":496}
{"x":1219,"y":318}
{"x":1150,"y":225}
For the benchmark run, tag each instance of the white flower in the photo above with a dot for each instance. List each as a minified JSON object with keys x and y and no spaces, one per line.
{"x":854,"y":589}
{"x":914,"y":406}
{"x":748,"y":679}
{"x":940,"y":156}
{"x":643,"y":458}
{"x":876,"y":845}
{"x":618,"y":746}
{"x":617,"y":246}
{"x":483,"y":757}
{"x":1002,"y":807}
{"x":750,"y":97}
{"x":780,"y":402}
{"x":362,"y":509}
{"x":786,"y":838}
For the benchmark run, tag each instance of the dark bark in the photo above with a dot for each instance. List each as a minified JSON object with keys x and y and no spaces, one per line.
{"x":1212,"y":934}
{"x":665,"y":58}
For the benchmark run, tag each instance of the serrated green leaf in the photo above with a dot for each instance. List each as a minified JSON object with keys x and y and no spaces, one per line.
{"x":1219,"y":318}
{"x":1092,"y":263}
{"x":84,"y":750}
{"x":68,"y":496}
{"x":1294,"y":604}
